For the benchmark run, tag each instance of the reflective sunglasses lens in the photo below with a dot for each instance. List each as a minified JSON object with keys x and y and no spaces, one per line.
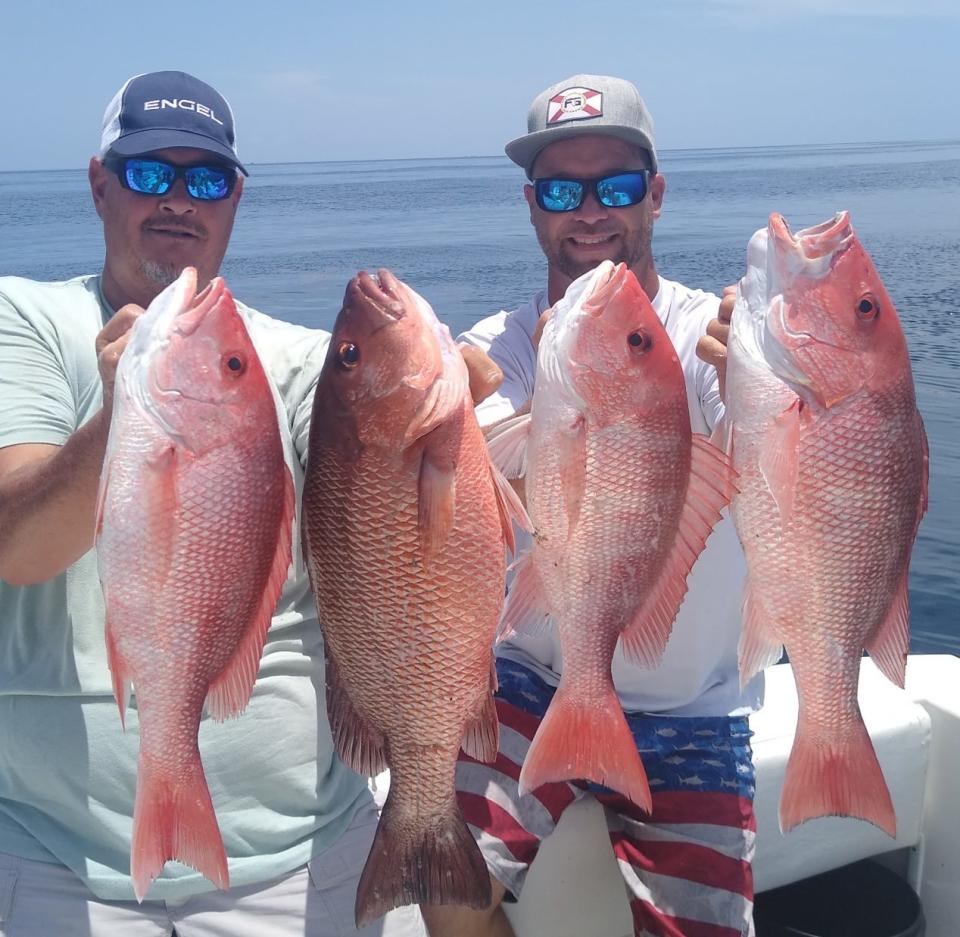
{"x":148,"y":177}
{"x":559,"y":194}
{"x":208,"y":183}
{"x":628,"y":188}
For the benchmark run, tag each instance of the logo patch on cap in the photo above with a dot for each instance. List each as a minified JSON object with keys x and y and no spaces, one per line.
{"x":574,"y":104}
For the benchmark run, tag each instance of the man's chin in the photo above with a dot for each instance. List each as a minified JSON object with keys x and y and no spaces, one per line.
{"x":160,"y":274}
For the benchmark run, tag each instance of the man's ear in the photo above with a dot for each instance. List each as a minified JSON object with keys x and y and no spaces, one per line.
{"x":97,"y":175}
{"x":531,"y":201}
{"x":658,"y":186}
{"x":237,"y":190}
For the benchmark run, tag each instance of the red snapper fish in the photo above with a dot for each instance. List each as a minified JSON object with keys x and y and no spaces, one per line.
{"x":622,"y":496}
{"x":824,"y":432}
{"x":405,"y":524}
{"x":195,"y":519}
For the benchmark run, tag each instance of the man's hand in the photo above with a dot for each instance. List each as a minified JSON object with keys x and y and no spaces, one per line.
{"x":712,"y":347}
{"x":485,"y":374}
{"x":110,"y":343}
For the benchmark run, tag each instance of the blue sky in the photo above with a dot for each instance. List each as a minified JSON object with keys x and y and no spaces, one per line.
{"x":368,"y":80}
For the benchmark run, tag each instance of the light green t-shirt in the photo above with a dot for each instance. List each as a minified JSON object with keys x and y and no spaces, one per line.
{"x":67,"y":770}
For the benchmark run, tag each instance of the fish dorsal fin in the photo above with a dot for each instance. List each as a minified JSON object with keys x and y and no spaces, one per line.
{"x":525,"y":610}
{"x":507,"y":445}
{"x":709,"y":490}
{"x":759,"y":647}
{"x":780,"y":458}
{"x":230,"y":692}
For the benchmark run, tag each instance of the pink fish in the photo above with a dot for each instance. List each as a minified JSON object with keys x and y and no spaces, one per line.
{"x":622,"y":496}
{"x":405,"y":524}
{"x":195,"y":516}
{"x":832,"y":456}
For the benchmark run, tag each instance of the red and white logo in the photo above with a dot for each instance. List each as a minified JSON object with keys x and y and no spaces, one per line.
{"x":574,"y":104}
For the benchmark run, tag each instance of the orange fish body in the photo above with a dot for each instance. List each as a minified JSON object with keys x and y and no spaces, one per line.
{"x":832,"y":457}
{"x":404,"y":526}
{"x":622,"y":496}
{"x":194,"y":543}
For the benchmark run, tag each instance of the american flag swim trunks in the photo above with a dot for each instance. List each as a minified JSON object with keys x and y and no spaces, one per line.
{"x":686,"y":867}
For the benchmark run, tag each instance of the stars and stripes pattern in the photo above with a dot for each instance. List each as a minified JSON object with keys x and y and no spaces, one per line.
{"x":686,"y":867}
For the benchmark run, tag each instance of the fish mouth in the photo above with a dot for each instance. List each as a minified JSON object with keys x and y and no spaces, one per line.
{"x":379,"y":296}
{"x":608,"y":279}
{"x":810,"y":251}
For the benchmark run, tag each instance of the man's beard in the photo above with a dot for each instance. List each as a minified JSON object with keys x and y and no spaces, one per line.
{"x":633,"y":248}
{"x":161,"y":274}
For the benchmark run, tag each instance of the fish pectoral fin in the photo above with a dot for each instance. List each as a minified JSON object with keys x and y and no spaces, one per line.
{"x":709,"y":490}
{"x":525,"y":609}
{"x":507,"y":445}
{"x":890,"y":644}
{"x":572,"y":458}
{"x":780,"y":458}
{"x":759,"y":647}
{"x":360,"y":746}
{"x":230,"y":692}
{"x":437,"y":504}
{"x":163,"y":511}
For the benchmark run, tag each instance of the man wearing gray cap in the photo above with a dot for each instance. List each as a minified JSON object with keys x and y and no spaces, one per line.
{"x":594,"y":194}
{"x":296,"y":823}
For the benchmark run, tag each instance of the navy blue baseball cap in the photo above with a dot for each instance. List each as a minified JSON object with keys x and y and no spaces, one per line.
{"x":159,"y":110}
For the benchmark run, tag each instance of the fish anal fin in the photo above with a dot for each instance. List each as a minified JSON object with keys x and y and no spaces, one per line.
{"x":481,"y":738}
{"x":759,"y":647}
{"x":119,"y":672}
{"x":709,"y":490}
{"x":890,"y":644}
{"x":780,"y":458}
{"x":586,"y":740}
{"x":525,"y":610}
{"x":230,"y":692}
{"x":358,"y":744}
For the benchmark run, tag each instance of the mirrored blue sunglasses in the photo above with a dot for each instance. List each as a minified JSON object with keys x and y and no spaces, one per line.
{"x":206,"y":182}
{"x":614,"y":191}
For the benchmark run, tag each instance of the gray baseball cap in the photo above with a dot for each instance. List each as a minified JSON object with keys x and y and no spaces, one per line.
{"x":580,"y":105}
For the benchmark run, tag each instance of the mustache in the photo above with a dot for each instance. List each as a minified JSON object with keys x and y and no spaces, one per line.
{"x":183,"y":224}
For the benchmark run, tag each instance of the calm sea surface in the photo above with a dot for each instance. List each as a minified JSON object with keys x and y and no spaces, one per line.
{"x":457,"y":231}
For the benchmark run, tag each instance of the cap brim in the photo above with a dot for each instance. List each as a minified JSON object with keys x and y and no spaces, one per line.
{"x":146,"y":141}
{"x":524,"y":150}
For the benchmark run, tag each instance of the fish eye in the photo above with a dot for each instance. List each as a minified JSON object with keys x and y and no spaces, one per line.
{"x":235,"y":363}
{"x":868,"y":308}
{"x":640,"y":341}
{"x":348,"y":355}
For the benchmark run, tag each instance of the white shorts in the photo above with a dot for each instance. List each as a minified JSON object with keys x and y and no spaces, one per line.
{"x":41,"y":899}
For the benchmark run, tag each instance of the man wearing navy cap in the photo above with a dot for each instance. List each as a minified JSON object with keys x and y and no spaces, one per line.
{"x":296,"y":823}
{"x":594,"y":193}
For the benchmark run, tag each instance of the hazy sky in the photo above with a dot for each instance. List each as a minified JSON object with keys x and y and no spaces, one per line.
{"x":367,"y":80}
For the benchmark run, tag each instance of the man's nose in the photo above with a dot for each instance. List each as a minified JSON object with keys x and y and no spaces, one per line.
{"x":591,"y":209}
{"x":177,"y":199}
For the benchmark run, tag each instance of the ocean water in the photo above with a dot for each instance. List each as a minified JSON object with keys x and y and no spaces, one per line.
{"x":457,"y":230}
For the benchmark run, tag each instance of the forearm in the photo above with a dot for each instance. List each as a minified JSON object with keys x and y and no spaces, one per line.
{"x":48,"y":506}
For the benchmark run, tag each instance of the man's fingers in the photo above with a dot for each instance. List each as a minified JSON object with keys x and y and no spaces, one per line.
{"x":725,"y":312}
{"x":485,"y":374}
{"x":120,"y":323}
{"x":719,"y":330}
{"x":541,"y":323}
{"x":711,"y":350}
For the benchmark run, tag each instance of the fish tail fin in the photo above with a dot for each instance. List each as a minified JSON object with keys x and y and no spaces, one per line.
{"x":411,"y":863}
{"x":586,"y":740}
{"x":174,"y":819}
{"x":835,"y":774}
